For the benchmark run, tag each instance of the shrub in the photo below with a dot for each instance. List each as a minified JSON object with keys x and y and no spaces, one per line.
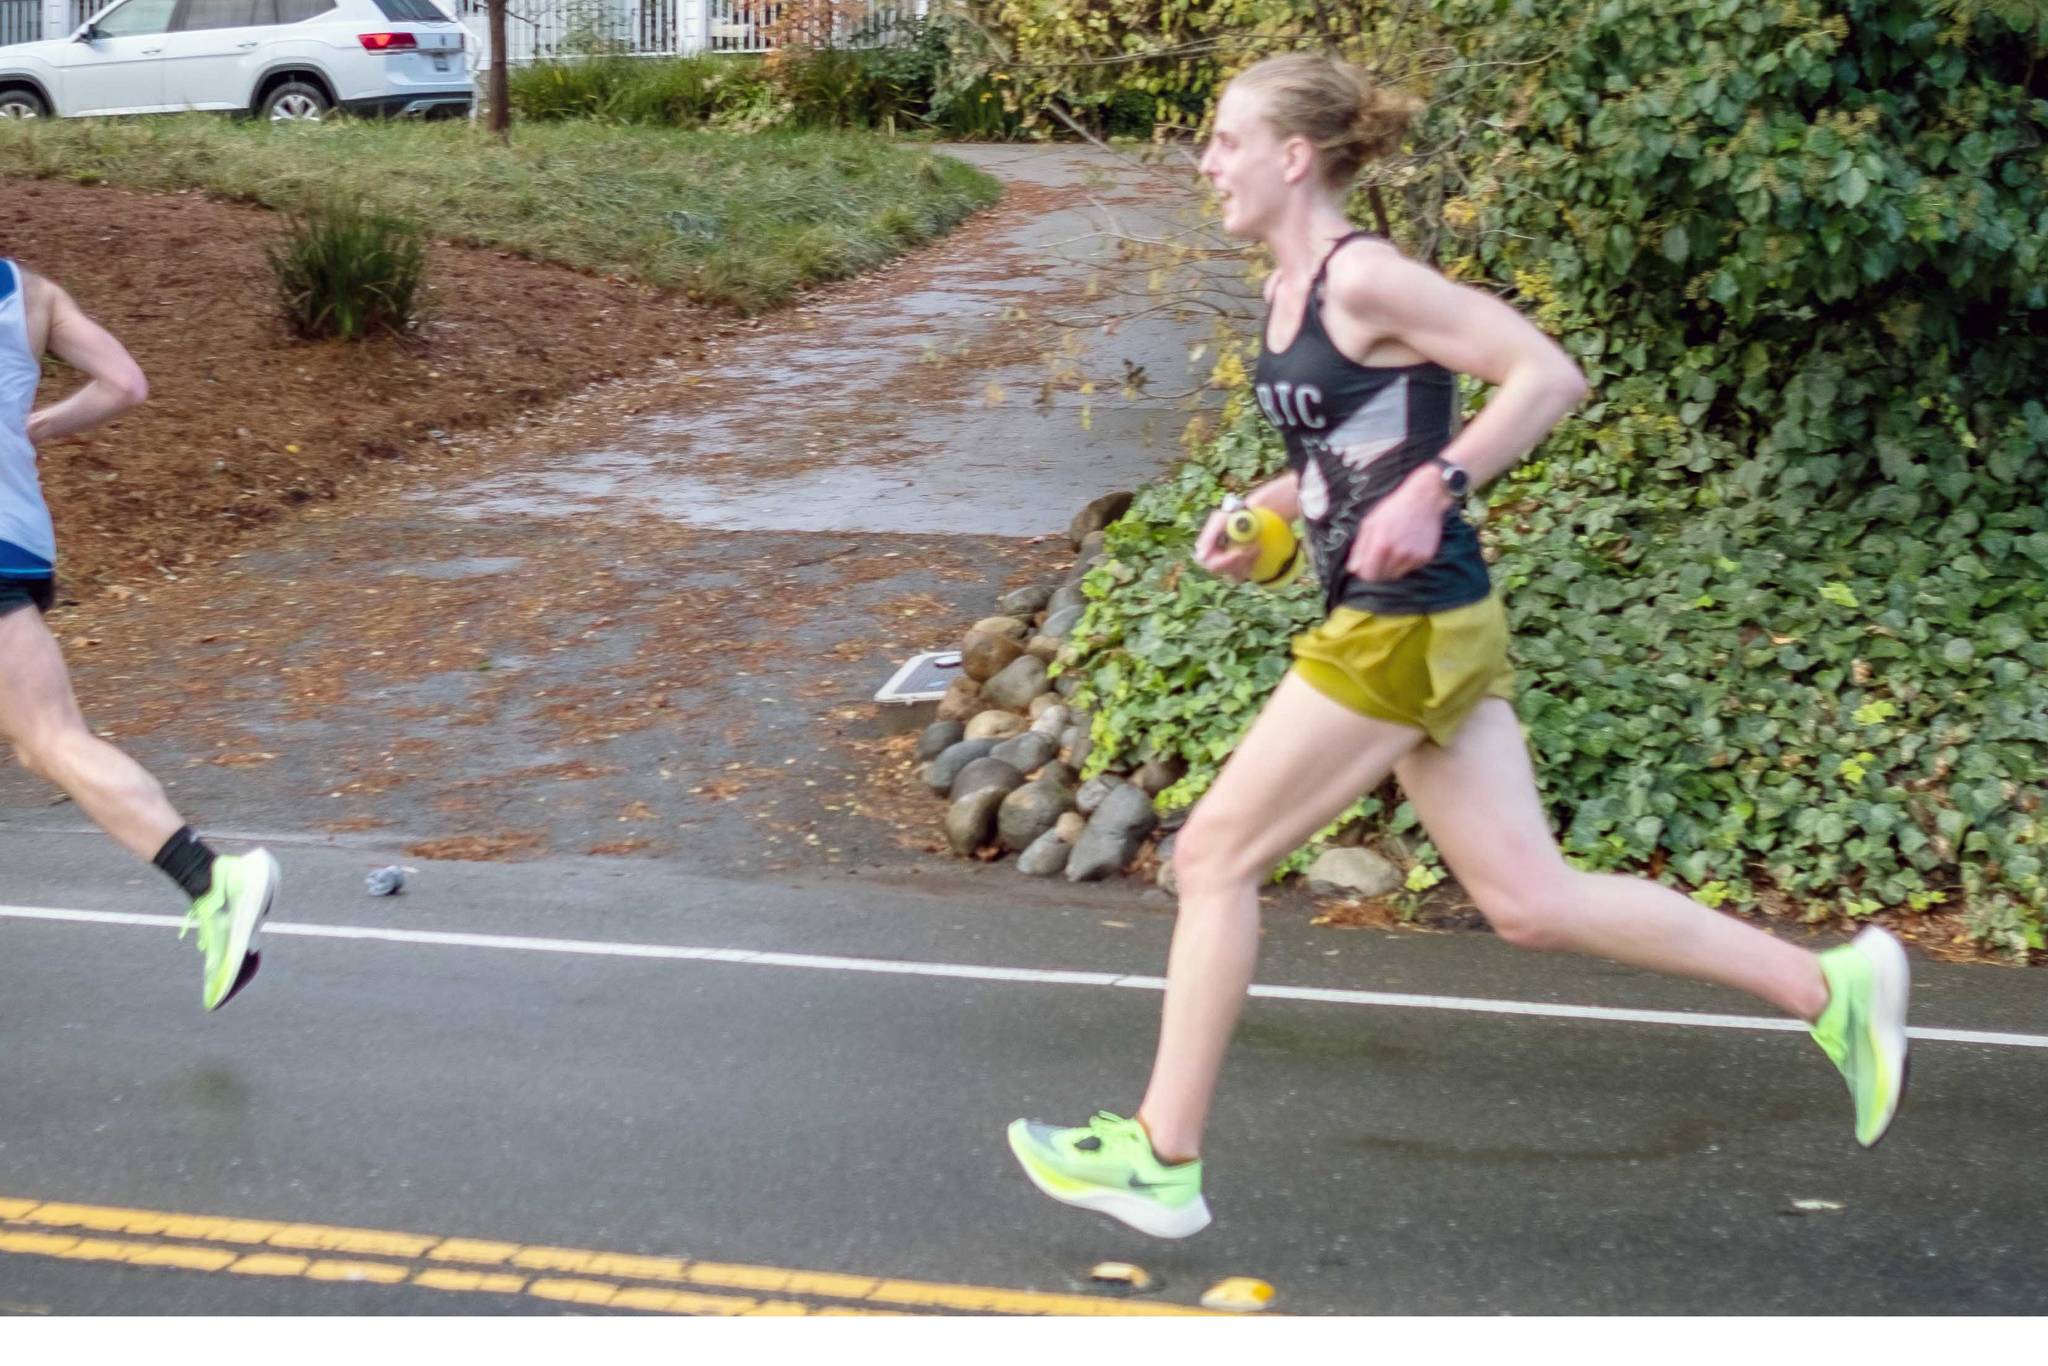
{"x":893,"y":80}
{"x":346,"y":271}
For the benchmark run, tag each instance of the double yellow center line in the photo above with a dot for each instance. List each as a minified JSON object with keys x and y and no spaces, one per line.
{"x":613,"y":1280}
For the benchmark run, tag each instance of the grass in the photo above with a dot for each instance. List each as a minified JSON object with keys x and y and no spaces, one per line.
{"x":743,"y":220}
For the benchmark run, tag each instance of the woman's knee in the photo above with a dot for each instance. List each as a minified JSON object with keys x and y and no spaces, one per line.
{"x":1209,"y":852}
{"x":1532,"y":913}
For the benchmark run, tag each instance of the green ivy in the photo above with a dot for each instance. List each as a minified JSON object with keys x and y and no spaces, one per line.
{"x":1175,"y":661}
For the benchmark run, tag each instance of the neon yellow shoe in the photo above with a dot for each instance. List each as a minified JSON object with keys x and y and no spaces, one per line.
{"x":1864,"y":1026}
{"x":227,"y":919}
{"x":1108,"y":1165}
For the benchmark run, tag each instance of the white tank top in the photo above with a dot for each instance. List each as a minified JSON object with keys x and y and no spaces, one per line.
{"x":28,"y":545}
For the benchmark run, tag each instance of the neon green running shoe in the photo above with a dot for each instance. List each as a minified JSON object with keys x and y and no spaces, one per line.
{"x":1108,"y":1165}
{"x":227,"y":919}
{"x":1864,"y":1026}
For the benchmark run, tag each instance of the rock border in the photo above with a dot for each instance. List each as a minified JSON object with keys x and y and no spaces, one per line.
{"x":1008,"y":749}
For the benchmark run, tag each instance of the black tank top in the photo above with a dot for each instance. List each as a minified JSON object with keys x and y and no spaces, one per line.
{"x":1353,"y":433}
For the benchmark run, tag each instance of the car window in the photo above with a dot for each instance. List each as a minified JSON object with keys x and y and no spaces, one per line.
{"x":200,"y":14}
{"x":298,"y":11}
{"x":412,"y":11}
{"x":136,"y":18}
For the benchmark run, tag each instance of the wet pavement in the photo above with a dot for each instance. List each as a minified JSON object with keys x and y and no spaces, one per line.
{"x":927,"y":410}
{"x":652,"y":622}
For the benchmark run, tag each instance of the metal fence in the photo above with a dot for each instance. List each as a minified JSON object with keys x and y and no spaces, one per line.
{"x":21,"y":21}
{"x":749,"y":25}
{"x":34,"y":21}
{"x":741,"y":27}
{"x":537,"y":30}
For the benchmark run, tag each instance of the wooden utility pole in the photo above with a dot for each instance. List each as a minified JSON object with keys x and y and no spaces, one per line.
{"x":500,"y":103}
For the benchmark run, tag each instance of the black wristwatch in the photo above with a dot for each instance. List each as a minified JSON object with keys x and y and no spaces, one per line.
{"x":1457,"y":479}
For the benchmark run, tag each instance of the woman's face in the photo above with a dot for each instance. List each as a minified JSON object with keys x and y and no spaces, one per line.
{"x":1249,"y":163}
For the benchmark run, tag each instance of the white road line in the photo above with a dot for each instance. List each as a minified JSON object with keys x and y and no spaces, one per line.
{"x":1034,"y":976}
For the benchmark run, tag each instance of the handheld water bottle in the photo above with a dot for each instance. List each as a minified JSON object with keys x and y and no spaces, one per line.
{"x":1279,"y":550}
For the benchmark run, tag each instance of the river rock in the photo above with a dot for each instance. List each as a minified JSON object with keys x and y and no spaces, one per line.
{"x":962,"y":700}
{"x":1156,"y":775}
{"x":985,"y":773}
{"x":1000,"y":626}
{"x":1052,"y":718}
{"x":1016,"y":685}
{"x":1059,"y":625}
{"x":1022,"y":603}
{"x":1061,"y":772}
{"x":1030,"y":812}
{"x":940,"y":772}
{"x":971,"y":820}
{"x":1098,"y":514}
{"x":1069,"y":827}
{"x":1069,"y":596}
{"x":1047,"y":856}
{"x":995,"y":725}
{"x":1166,"y":878}
{"x":1113,"y":836}
{"x":987,"y":653}
{"x":1096,"y":791}
{"x":1353,"y":872}
{"x":939,"y":737}
{"x":1028,"y":752}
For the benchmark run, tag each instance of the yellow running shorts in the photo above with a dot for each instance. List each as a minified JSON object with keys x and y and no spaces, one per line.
{"x":1425,"y":671}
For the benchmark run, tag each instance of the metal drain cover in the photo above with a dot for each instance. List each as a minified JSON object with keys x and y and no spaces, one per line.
{"x":924,"y":678}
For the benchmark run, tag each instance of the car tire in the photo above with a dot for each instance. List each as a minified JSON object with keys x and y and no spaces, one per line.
{"x":294,"y":102}
{"x":22,"y":103}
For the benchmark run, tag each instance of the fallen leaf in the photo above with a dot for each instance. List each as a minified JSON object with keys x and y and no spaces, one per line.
{"x":1121,"y":1274}
{"x":1238,"y":1294}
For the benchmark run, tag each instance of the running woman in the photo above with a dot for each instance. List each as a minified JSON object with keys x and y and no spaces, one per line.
{"x":1408,"y":674}
{"x":229,"y":894}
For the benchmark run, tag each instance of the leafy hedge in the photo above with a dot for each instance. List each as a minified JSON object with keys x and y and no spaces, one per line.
{"x":1778,"y":593}
{"x":900,"y":86}
{"x":1128,"y":66}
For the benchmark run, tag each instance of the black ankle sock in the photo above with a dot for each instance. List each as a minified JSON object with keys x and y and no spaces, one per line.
{"x":189,"y":862}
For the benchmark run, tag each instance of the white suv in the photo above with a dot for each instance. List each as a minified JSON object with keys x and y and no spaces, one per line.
{"x":283,"y":60}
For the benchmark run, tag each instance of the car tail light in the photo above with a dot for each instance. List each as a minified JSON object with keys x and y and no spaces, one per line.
{"x":389,"y":42}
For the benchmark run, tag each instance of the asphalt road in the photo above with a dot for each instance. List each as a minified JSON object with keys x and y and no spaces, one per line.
{"x":554,"y":1078}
